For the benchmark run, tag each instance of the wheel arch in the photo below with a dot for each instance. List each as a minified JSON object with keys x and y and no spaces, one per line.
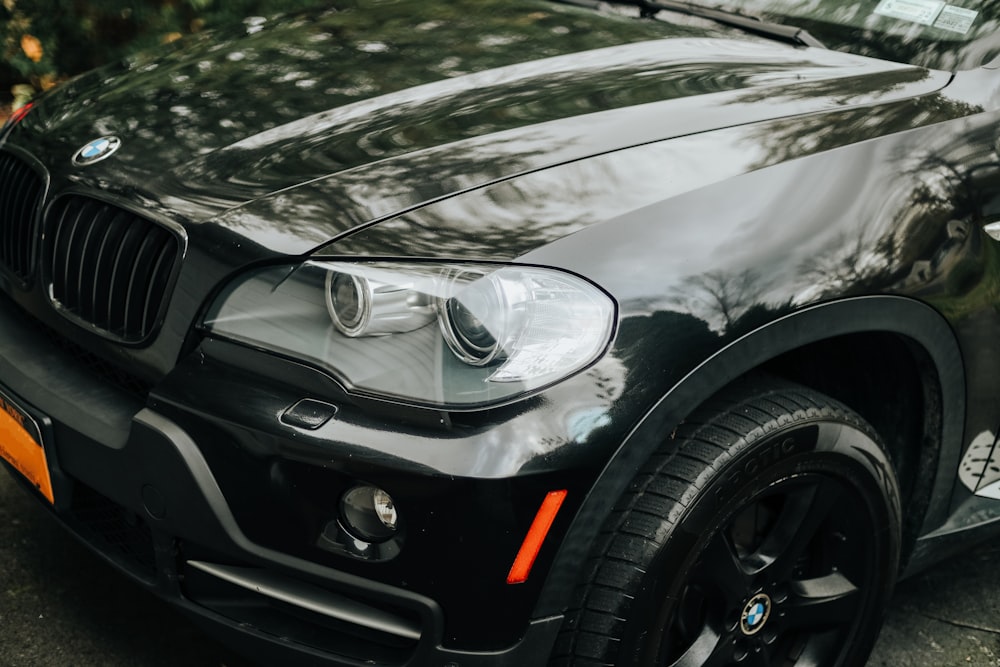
{"x":773,"y":348}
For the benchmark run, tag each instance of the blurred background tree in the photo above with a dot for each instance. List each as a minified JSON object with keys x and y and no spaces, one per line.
{"x":47,"y":41}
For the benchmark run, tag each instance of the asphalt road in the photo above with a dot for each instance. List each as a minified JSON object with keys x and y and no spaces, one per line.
{"x":60,"y":605}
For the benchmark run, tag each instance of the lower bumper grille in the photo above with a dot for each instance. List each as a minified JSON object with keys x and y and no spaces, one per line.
{"x":114,"y":531}
{"x":304,"y":614}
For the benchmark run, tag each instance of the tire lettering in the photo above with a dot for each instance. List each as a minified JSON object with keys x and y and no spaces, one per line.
{"x":753,"y":464}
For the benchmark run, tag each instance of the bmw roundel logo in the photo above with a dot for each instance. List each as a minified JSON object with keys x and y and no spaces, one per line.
{"x":96,"y":150}
{"x":755,"y":614}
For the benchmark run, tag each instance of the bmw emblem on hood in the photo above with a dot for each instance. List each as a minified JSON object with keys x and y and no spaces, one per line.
{"x":96,"y":150}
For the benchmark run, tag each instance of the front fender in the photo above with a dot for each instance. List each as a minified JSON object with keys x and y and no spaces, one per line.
{"x":899,"y":315}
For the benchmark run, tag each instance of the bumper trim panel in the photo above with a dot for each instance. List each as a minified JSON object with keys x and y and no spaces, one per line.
{"x":308,"y":597}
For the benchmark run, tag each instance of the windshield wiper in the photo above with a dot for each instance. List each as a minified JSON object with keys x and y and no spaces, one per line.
{"x":785,"y":33}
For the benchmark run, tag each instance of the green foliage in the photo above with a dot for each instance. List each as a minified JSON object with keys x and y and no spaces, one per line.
{"x":46,"y":41}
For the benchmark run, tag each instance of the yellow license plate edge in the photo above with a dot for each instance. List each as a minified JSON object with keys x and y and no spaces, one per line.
{"x":22,"y":451}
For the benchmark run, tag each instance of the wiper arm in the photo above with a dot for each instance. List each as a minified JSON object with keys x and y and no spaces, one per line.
{"x":786,"y":33}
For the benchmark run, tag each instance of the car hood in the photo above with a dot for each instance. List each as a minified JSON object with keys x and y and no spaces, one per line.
{"x":300,"y":131}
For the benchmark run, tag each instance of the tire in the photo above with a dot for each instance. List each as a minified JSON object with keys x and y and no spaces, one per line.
{"x":764,"y":532}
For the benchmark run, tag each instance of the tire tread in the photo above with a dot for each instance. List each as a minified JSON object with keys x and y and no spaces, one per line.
{"x":659,"y":495}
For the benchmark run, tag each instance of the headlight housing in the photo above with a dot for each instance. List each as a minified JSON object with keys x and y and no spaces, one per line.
{"x":449,"y":335}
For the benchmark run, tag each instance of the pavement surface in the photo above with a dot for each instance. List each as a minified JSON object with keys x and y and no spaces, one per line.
{"x":61,"y":605}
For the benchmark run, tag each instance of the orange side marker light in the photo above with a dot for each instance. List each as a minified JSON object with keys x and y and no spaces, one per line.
{"x":536,"y":536}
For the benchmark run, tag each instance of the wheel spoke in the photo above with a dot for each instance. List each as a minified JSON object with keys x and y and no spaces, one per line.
{"x":823,"y":603}
{"x":706,"y":651}
{"x":804,"y":511}
{"x":756,"y":659}
{"x":722,"y":569}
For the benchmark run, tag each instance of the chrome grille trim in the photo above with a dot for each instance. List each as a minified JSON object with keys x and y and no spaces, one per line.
{"x":108,"y":267}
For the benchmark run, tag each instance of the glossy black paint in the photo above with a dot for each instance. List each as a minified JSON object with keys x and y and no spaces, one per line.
{"x":739,"y":199}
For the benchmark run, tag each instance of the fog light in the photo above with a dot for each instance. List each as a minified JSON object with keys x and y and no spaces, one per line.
{"x":369,"y":513}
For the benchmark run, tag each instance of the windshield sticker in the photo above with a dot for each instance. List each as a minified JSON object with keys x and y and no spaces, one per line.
{"x":956,"y":19}
{"x":916,"y":11}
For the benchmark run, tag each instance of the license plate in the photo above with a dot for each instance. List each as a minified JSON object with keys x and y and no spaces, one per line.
{"x":21,"y":446}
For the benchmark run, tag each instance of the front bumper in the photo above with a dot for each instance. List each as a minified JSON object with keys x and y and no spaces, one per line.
{"x":219,"y":517}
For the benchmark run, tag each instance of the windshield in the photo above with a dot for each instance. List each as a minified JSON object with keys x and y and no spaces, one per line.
{"x":933,"y":33}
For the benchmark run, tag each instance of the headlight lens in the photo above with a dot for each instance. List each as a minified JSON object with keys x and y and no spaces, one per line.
{"x":349,"y":303}
{"x":473,"y":322}
{"x":501,"y":330}
{"x":360,"y":305}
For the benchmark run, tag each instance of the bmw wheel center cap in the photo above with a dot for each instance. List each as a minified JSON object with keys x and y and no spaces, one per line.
{"x":96,"y":150}
{"x":755,"y":614}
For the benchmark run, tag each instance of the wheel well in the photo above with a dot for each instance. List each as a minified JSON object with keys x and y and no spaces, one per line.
{"x":905,"y":376}
{"x":890,"y":381}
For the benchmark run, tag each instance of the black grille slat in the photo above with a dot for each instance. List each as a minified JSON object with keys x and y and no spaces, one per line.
{"x":138,"y":282}
{"x":63,"y":268}
{"x":122,"y":271}
{"x":109,"y":267}
{"x":7,"y":208}
{"x":86,"y":266}
{"x":101,"y":288}
{"x":21,"y":191}
{"x":158,"y":285}
{"x":12,"y":203}
{"x":58,"y":238}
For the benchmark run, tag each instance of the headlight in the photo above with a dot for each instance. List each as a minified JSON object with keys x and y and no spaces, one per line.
{"x":444,"y":335}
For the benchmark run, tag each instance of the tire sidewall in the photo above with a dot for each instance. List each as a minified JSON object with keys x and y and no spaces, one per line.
{"x":842,"y":449}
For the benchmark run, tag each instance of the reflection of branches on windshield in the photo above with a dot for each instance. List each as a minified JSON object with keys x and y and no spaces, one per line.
{"x":938,"y":54}
{"x":854,"y":27}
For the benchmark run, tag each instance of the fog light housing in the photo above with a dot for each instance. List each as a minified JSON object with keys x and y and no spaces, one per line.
{"x":369,"y":513}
